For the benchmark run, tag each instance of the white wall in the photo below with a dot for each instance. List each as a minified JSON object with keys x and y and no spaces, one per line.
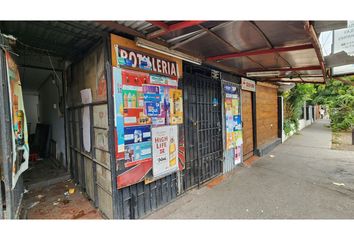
{"x":50,"y":114}
{"x":30,"y":100}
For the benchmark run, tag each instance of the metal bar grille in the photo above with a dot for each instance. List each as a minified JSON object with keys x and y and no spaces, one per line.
{"x":203,"y":129}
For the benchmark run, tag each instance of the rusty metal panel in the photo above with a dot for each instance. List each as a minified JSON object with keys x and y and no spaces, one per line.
{"x":89,"y":181}
{"x":105,"y":202}
{"x":104,"y":178}
{"x":100,"y":116}
{"x":103,"y":158}
{"x":101,"y":139}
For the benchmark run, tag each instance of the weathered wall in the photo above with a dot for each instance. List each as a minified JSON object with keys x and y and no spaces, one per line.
{"x":88,"y":73}
{"x":91,"y":169}
{"x":267,"y":113}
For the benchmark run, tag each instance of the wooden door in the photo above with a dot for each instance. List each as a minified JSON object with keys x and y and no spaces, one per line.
{"x":247,"y":124}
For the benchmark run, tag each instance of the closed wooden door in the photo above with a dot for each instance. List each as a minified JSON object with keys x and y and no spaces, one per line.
{"x":247,"y":124}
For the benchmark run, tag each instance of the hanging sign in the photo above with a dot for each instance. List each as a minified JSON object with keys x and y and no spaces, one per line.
{"x":248,"y":85}
{"x":136,"y":59}
{"x":20,"y":148}
{"x":164,"y":150}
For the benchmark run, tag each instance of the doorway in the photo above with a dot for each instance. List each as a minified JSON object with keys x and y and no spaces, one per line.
{"x":203,"y":127}
{"x":44,"y":108}
{"x":247,"y":122}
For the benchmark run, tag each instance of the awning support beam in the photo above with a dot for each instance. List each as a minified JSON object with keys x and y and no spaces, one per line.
{"x":307,"y":68}
{"x":261,"y":52}
{"x":170,"y":28}
{"x":311,"y":32}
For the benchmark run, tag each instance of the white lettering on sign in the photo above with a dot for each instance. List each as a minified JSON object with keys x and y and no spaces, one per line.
{"x":248,"y":85}
{"x":131,"y":58}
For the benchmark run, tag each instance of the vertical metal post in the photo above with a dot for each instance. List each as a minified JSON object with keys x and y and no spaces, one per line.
{"x":66,"y":135}
{"x":93,"y":155}
{"x":111,"y":139}
{"x":82,"y":180}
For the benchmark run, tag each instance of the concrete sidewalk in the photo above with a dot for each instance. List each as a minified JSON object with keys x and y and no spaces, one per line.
{"x":299,"y":181}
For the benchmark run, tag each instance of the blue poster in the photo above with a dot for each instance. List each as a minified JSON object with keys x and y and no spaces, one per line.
{"x":137,"y":134}
{"x":237,"y":123}
{"x":137,"y":151}
{"x":153,"y":109}
{"x":118,"y":107}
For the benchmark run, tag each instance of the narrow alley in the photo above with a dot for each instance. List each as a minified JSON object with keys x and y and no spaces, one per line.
{"x":302,"y":178}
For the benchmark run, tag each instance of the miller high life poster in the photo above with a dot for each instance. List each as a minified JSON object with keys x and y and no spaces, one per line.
{"x":164,"y":150}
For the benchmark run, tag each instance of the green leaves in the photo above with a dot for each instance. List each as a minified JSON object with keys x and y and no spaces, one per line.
{"x":339,"y":97}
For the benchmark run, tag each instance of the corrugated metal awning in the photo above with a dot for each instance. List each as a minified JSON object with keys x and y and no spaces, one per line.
{"x":287,"y":49}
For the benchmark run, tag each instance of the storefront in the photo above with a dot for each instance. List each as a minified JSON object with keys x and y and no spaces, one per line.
{"x":142,"y":127}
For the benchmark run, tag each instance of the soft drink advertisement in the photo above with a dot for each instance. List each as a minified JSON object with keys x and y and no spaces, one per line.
{"x":137,"y":134}
{"x":137,"y":152}
{"x":155,"y":106}
{"x":164,"y":150}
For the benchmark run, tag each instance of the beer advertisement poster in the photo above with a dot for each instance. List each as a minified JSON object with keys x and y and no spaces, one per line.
{"x":164,"y":150}
{"x":176,"y":106}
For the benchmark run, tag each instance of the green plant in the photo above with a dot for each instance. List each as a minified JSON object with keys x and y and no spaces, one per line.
{"x":294,"y":100}
{"x":339,"y":97}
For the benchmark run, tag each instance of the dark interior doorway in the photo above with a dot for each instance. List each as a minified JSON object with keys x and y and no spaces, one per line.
{"x":44,"y":108}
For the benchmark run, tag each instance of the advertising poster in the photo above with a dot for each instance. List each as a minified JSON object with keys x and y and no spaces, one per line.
{"x":20,"y":148}
{"x":137,"y":152}
{"x":155,"y":103}
{"x":176,"y":106}
{"x":164,"y":150}
{"x":237,"y":155}
{"x":162,"y":80}
{"x":135,"y":116}
{"x":233,"y":124}
{"x":143,"y":109}
{"x":137,"y":134}
{"x":118,"y":109}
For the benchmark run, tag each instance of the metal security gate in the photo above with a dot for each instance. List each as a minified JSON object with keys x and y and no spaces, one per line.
{"x":203,"y":127}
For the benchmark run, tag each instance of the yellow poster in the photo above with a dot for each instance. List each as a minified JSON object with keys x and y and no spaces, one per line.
{"x":176,"y":106}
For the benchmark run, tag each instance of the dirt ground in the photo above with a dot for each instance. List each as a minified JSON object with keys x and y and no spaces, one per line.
{"x":63,"y":200}
{"x":342,"y":141}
